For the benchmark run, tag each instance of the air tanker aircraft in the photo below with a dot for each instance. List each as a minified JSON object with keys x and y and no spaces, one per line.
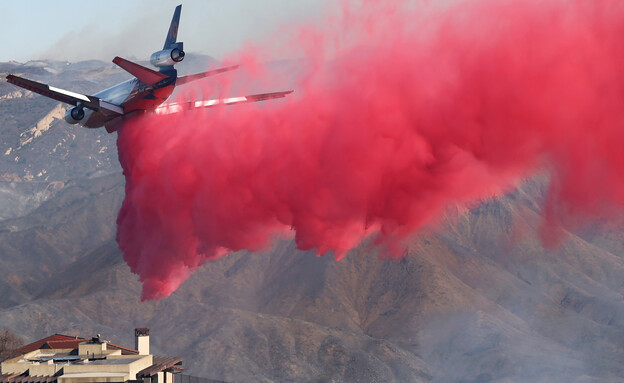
{"x":144,"y":93}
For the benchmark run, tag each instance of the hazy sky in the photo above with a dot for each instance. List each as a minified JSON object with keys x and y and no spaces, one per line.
{"x":77,"y":30}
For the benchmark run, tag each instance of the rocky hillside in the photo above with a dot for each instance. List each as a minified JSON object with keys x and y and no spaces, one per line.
{"x":35,"y":143}
{"x":39,"y":152}
{"x":477,"y":300}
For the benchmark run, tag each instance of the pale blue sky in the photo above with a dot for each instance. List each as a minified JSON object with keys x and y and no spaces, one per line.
{"x":77,"y":30}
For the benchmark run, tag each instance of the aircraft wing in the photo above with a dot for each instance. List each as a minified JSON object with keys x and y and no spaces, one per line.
{"x":186,"y":79}
{"x":52,"y":92}
{"x":191,"y":105}
{"x":65,"y":96}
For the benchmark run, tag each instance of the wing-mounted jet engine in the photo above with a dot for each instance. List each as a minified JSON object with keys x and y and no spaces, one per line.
{"x":74,"y":115}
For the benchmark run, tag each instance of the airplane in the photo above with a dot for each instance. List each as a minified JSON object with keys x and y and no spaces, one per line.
{"x":146,"y":92}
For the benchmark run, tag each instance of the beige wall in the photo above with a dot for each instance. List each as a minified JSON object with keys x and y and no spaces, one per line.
{"x":44,"y":369}
{"x":143,"y":344}
{"x":91,"y":379}
{"x":141,"y":364}
{"x":164,"y":377}
{"x":113,"y":353}
{"x":130,"y":368}
{"x":14,"y":368}
{"x":91,"y":348}
{"x":20,"y":365}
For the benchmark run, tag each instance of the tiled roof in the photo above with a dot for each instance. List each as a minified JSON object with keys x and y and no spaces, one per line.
{"x":161,"y":363}
{"x":124,"y":350}
{"x":27,"y":379}
{"x":5,"y":377}
{"x":53,"y":341}
{"x":56,"y":344}
{"x":57,"y":341}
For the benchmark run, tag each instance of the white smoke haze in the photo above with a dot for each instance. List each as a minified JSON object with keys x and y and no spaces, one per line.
{"x":215,"y":28}
{"x":525,"y":313}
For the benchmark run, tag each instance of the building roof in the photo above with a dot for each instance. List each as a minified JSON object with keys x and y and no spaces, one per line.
{"x":27,"y":379}
{"x":59,"y":348}
{"x":53,"y":341}
{"x":161,"y":363}
{"x":124,"y":350}
{"x":60,"y":341}
{"x":116,"y":361}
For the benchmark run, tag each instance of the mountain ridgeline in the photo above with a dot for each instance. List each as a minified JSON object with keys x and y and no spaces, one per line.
{"x":478,"y":299}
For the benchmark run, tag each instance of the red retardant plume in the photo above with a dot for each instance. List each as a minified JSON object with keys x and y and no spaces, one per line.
{"x":404,"y":110}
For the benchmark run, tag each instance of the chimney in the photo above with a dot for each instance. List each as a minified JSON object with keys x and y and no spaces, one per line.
{"x":141,"y":343}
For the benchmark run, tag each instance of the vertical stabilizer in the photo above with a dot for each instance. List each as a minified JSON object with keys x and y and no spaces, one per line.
{"x":172,"y":34}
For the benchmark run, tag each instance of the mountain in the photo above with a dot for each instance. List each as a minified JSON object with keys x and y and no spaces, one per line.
{"x":478,"y":299}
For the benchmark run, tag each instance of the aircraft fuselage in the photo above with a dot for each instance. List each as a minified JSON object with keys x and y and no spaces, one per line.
{"x":132,"y":95}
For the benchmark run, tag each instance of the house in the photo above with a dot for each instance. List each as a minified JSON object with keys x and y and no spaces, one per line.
{"x":69,"y":359}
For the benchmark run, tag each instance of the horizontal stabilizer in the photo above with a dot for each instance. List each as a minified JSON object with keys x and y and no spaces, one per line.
{"x":186,"y":79}
{"x":147,"y":75}
{"x":191,"y":105}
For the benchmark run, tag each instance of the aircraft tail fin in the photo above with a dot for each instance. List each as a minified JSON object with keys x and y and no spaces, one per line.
{"x":172,"y":34}
{"x":144,"y":74}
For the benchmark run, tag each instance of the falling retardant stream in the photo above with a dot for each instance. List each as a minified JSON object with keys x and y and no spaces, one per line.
{"x":406,"y":108}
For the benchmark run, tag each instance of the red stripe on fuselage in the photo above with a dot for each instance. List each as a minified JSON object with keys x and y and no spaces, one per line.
{"x":139,"y":100}
{"x":145,"y":97}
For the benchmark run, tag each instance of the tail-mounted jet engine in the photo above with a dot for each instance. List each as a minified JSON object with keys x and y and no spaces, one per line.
{"x":74,"y":115}
{"x":168,"y":57}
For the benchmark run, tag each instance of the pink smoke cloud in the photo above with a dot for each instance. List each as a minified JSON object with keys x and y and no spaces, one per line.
{"x":405,"y":110}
